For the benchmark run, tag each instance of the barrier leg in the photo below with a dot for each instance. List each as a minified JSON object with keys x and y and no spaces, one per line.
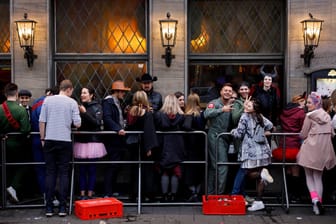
{"x":3,"y":172}
{"x":139,"y":178}
{"x":72,"y":186}
{"x":285,"y":187}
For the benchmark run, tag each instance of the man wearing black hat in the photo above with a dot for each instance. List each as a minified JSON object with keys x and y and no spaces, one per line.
{"x":24,"y":99}
{"x":155,"y":98}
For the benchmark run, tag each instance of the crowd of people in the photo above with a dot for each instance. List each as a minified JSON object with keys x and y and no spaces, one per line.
{"x":248,"y":114}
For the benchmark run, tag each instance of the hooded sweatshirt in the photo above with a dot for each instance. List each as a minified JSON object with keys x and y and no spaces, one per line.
{"x":292,"y":118}
{"x":317,"y":151}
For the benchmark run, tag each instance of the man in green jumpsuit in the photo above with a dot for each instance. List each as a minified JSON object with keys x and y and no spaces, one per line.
{"x":218,"y":113}
{"x":14,"y":118}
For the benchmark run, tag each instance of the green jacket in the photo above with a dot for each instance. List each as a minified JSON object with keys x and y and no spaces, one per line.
{"x":20,"y":115}
{"x":237,"y":111}
{"x":219,"y":121}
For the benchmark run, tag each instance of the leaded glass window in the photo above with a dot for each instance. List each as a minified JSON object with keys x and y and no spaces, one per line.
{"x":229,"y":41}
{"x":99,"y":75}
{"x":236,"y":26}
{"x":5,"y":62}
{"x":4,"y":27}
{"x":86,"y":26}
{"x":97,"y":42}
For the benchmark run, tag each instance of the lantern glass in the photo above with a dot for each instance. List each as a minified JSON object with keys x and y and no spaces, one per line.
{"x":311,"y":29}
{"x":168,"y":28}
{"x":26,"y":32}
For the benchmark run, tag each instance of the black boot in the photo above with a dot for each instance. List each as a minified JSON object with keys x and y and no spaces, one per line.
{"x":172,"y":197}
{"x":296,"y":190}
{"x":165,"y":197}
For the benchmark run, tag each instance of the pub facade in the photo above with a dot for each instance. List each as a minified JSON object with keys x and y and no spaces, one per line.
{"x":93,"y":43}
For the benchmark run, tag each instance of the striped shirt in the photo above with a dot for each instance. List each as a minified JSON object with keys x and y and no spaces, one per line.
{"x":59,"y":112}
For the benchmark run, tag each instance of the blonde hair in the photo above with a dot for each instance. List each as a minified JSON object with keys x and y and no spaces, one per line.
{"x":193,"y":106}
{"x":139,"y":102}
{"x":171,"y":105}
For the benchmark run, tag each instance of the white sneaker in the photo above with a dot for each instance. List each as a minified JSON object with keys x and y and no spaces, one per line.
{"x":266,"y":176}
{"x":12,"y":193}
{"x":316,"y":210}
{"x":256,"y":205}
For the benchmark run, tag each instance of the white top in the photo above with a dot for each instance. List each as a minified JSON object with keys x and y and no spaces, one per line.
{"x":59,"y":112}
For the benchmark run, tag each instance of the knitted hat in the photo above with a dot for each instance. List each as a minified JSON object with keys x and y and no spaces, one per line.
{"x":24,"y":92}
{"x":316,"y":99}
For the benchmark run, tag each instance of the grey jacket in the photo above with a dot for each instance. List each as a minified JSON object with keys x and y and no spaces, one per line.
{"x":252,"y":150}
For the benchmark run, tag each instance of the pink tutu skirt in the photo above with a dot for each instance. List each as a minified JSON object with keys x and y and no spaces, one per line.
{"x":89,"y":150}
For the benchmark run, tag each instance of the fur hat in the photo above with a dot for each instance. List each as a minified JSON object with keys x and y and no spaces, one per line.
{"x":146,"y":78}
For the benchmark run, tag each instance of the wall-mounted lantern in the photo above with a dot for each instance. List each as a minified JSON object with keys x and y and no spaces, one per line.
{"x":311,"y":29}
{"x":26,"y":33}
{"x":168,"y":28}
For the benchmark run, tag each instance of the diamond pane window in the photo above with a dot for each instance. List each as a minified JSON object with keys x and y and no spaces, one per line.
{"x":97,"y":42}
{"x":239,"y":26}
{"x":99,"y":26}
{"x":99,"y":75}
{"x":4,"y":27}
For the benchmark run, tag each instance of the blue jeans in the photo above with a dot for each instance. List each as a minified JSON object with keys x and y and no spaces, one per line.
{"x":114,"y":153}
{"x":87,"y":175}
{"x":57,"y":155}
{"x":239,"y":182}
{"x":38,"y":156}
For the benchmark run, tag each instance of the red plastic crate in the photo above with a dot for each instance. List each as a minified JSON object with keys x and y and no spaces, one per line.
{"x":224,"y":205}
{"x":99,"y":208}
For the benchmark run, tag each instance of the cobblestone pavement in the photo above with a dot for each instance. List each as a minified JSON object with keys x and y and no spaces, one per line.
{"x":176,"y":215}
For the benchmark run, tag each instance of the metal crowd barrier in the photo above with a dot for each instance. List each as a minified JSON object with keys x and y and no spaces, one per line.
{"x":284,"y":194}
{"x":139,"y":204}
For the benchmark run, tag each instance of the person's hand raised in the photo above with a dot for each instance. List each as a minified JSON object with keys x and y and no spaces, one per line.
{"x":247,"y":104}
{"x":227,"y":108}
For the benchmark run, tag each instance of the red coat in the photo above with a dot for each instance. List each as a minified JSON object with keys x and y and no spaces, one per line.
{"x":291,"y":119}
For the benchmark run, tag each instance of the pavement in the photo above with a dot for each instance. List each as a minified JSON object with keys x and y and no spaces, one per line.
{"x":176,"y":215}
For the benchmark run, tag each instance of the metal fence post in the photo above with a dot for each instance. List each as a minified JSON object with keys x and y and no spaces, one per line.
{"x":3,"y":171}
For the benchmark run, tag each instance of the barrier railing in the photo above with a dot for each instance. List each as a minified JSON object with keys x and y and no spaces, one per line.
{"x":284,"y":197}
{"x":284,"y":194}
{"x":139,"y":162}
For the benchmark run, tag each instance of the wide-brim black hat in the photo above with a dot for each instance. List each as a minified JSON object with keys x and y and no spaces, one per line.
{"x":146,"y":78}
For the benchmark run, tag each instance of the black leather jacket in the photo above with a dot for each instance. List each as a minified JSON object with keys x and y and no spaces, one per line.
{"x":155,"y":99}
{"x":91,"y":121}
